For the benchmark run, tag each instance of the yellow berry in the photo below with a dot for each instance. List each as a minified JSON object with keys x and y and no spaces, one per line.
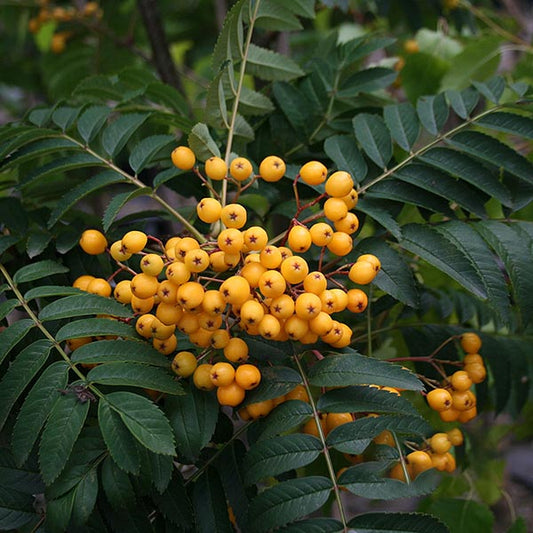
{"x":134,"y":241}
{"x":216,"y":168}
{"x":184,"y":364}
{"x":313,"y":173}
{"x":93,"y":242}
{"x":240,"y":168}
{"x":339,"y":184}
{"x":209,"y":210}
{"x":183,"y":158}
{"x":233,"y":216}
{"x":231,"y":394}
{"x":272,"y":168}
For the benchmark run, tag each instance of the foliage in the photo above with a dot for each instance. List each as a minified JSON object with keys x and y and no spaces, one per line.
{"x":440,"y":154}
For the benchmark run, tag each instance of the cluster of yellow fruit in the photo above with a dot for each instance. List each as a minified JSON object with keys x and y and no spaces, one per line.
{"x":434,"y":454}
{"x":454,"y":400}
{"x":59,"y":14}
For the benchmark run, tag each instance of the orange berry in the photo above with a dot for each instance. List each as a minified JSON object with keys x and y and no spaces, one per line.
{"x":419,"y":461}
{"x":190,"y":295}
{"x":439,"y":399}
{"x":219,"y":339}
{"x":315,"y":282}
{"x":473,"y":358}
{"x":143,"y":326}
{"x":272,"y":284}
{"x":397,"y":472}
{"x":134,"y":241}
{"x":460,"y":380}
{"x":476,"y":372}
{"x":455,"y":436}
{"x":440,"y":443}
{"x":231,"y":394}
{"x":240,"y":168}
{"x":362,"y":272}
{"x":341,"y":244}
{"x":335,"y":209}
{"x":298,"y":393}
{"x":357,"y":300}
{"x":99,"y":286}
{"x":411,"y":46}
{"x":236,"y":350}
{"x":215,"y":168}
{"x":247,"y":376}
{"x":82,"y":282}
{"x":372,"y":259}
{"x":470,"y":342}
{"x":196,"y":260}
{"x":299,"y":239}
{"x":272,"y":168}
{"x":165,"y":346}
{"x":313,"y":173}
{"x":177,"y":273}
{"x":144,"y":286}
{"x":152,"y":264}
{"x":93,"y":242}
{"x":122,"y":291}
{"x":467,"y":415}
{"x":294,"y":269}
{"x":202,"y":377}
{"x":252,"y":312}
{"x":183,"y":158}
{"x":282,"y":306}
{"x":308,"y":306}
{"x":255,"y":238}
{"x":339,"y":184}
{"x":351,"y":199}
{"x":270,"y":257}
{"x":464,"y":400}
{"x":260,"y":409}
{"x":337,"y":419}
{"x":296,"y":327}
{"x":349,"y":224}
{"x":235,"y":290}
{"x":321,"y":233}
{"x":167,"y":292}
{"x":184,"y":245}
{"x":269,"y":327}
{"x":233,"y":216}
{"x":222,"y":374}
{"x":208,"y":210}
{"x":449,"y":415}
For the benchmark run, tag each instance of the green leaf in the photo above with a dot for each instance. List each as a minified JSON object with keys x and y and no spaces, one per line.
{"x":341,"y":370}
{"x":271,"y":66}
{"x":119,"y":351}
{"x":83,"y":305}
{"x":284,"y":417}
{"x":44,"y":291}
{"x":397,"y":522}
{"x":16,"y":509}
{"x":85,"y":498}
{"x":243,"y":128}
{"x":463,"y":516}
{"x":366,"y":81}
{"x":468,"y":169}
{"x":490,"y":149}
{"x":25,"y":479}
{"x":296,"y":107}
{"x":166,"y":175}
{"x":478,"y":60}
{"x":143,"y":153}
{"x":492,"y":90}
{"x":38,"y":270}
{"x":40,"y":116}
{"x":7,"y":306}
{"x":431,"y":246}
{"x":60,"y":433}
{"x":402,"y":121}
{"x":167,"y":95}
{"x":374,"y":138}
{"x":65,"y":116}
{"x":36,"y":408}
{"x":7,"y":241}
{"x":92,"y":121}
{"x":462,"y":102}
{"x":474,"y":248}
{"x":509,"y":123}
{"x":135,"y":375}
{"x":422,"y":74}
{"x":366,"y":480}
{"x":175,"y":504}
{"x":38,"y":240}
{"x":274,"y":456}
{"x":13,"y":215}
{"x":266,"y":350}
{"x":254,"y":103}
{"x":58,"y":513}
{"x":288,"y":501}
{"x":433,"y":112}
{"x":354,"y":437}
{"x":145,"y":421}
{"x":118,"y":133}
{"x":276,"y":17}
{"x":120,"y":442}
{"x":117,"y":485}
{"x":210,"y":505}
{"x":118,"y":202}
{"x":20,"y":372}
{"x":313,"y":525}
{"x":360,"y":399}
{"x":85,"y":188}
{"x":216,"y":110}
{"x":201,"y":142}
{"x":302,"y":8}
{"x":10,"y":336}
{"x":275,"y":381}
{"x":156,"y":469}
{"x":89,"y":327}
{"x":378,"y":211}
{"x":193,"y":418}
{"x":230,"y":40}
{"x":60,"y":165}
{"x":342,"y":150}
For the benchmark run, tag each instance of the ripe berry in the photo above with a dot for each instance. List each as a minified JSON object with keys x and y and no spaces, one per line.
{"x":470,"y":342}
{"x":252,"y":312}
{"x":222,"y":374}
{"x":169,"y":313}
{"x":321,"y":324}
{"x":255,"y":238}
{"x":190,"y":295}
{"x":282,"y":306}
{"x":117,"y":252}
{"x":152,"y":264}
{"x":122,"y":292}
{"x":455,"y":436}
{"x":240,"y":168}
{"x":185,"y":245}
{"x":357,"y":300}
{"x":272,"y":284}
{"x":351,"y":199}
{"x":230,"y":240}
{"x":321,"y":233}
{"x":299,"y":239}
{"x":208,"y":210}
{"x":349,"y":224}
{"x":311,"y":428}
{"x":247,"y":376}
{"x":99,"y":286}
{"x":82,"y":282}
{"x":260,"y":409}
{"x":219,"y":339}
{"x":439,"y":399}
{"x":449,"y":415}
{"x":315,"y":282}
{"x":93,"y":242}
{"x":460,"y":380}
{"x":165,"y":346}
{"x":144,"y":286}
{"x":298,"y":393}
{"x":467,"y":415}
{"x":272,"y":168}
{"x":341,"y":244}
{"x":419,"y":461}
{"x":463,"y":401}
{"x":177,"y":273}
{"x":235,"y":290}
{"x":231,"y":394}
{"x":294,"y":269}
{"x":339,"y":184}
{"x":473,"y":358}
{"x":362,"y":272}
{"x":269,"y":327}
{"x":313,"y":173}
{"x":296,"y":327}
{"x":270,"y":257}
{"x":183,"y":158}
{"x":196,"y":260}
{"x":335,"y":209}
{"x":233,"y":216}
{"x":372,"y":259}
{"x":143,"y":326}
{"x":236,"y":350}
{"x":308,"y":306}
{"x":134,"y":241}
{"x":385,"y":438}
{"x":142,"y":305}
{"x":476,"y":372}
{"x":202,"y":377}
{"x":337,"y":419}
{"x":397,"y":472}
{"x":440,"y":443}
{"x":215,"y":168}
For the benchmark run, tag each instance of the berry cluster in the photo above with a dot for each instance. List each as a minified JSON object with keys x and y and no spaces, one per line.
{"x":454,"y":400}
{"x":235,"y":280}
{"x":60,"y":15}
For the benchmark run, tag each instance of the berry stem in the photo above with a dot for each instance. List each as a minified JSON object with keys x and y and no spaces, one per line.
{"x":402,"y":458}
{"x":369,"y":323}
{"x":325,"y":449}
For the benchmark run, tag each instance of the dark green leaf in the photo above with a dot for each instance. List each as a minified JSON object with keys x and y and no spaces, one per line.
{"x":37,"y":242}
{"x":175,"y":504}
{"x":13,"y":215}
{"x":463,"y":102}
{"x":491,"y":89}
{"x":354,"y":437}
{"x":58,"y":513}
{"x":10,"y":336}
{"x":36,"y":408}
{"x":377,"y":210}
{"x":366,"y":81}
{"x":463,"y":516}
{"x":193,"y":418}
{"x":82,"y":305}
{"x":81,"y":191}
{"x":275,"y":381}
{"x":25,"y":479}
{"x":433,"y":112}
{"x":16,"y":509}
{"x":85,"y":498}
{"x":142,"y":154}
{"x":91,"y":122}
{"x":366,"y":480}
{"x":276,"y":17}
{"x":360,"y":399}
{"x":314,"y":525}
{"x":429,"y":244}
{"x":135,"y":375}
{"x":340,"y":370}
{"x":65,"y":116}
{"x":288,"y":501}
{"x":145,"y":421}
{"x":397,"y":522}
{"x":119,"y":441}
{"x":254,"y":103}
{"x":115,"y":351}
{"x":271,"y":66}
{"x":44,"y":291}
{"x":296,"y":107}
{"x":7,"y":306}
{"x":374,"y":138}
{"x":201,"y":142}
{"x":60,"y":433}
{"x":166,"y":175}
{"x":7,"y":241}
{"x":167,"y":95}
{"x":90,"y":327}
{"x":118,"y":202}
{"x":490,"y":149}
{"x":117,"y":485}
{"x":274,"y":456}
{"x":266,"y":350}
{"x":118,"y":133}
{"x":20,"y":372}
{"x":156,"y":469}
{"x":342,"y":150}
{"x":210,"y":504}
{"x":284,"y":417}
{"x":402,"y":121}
{"x":38,"y":270}
{"x":509,"y":123}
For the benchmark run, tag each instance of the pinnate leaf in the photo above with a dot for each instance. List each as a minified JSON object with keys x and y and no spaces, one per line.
{"x":82,"y":305}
